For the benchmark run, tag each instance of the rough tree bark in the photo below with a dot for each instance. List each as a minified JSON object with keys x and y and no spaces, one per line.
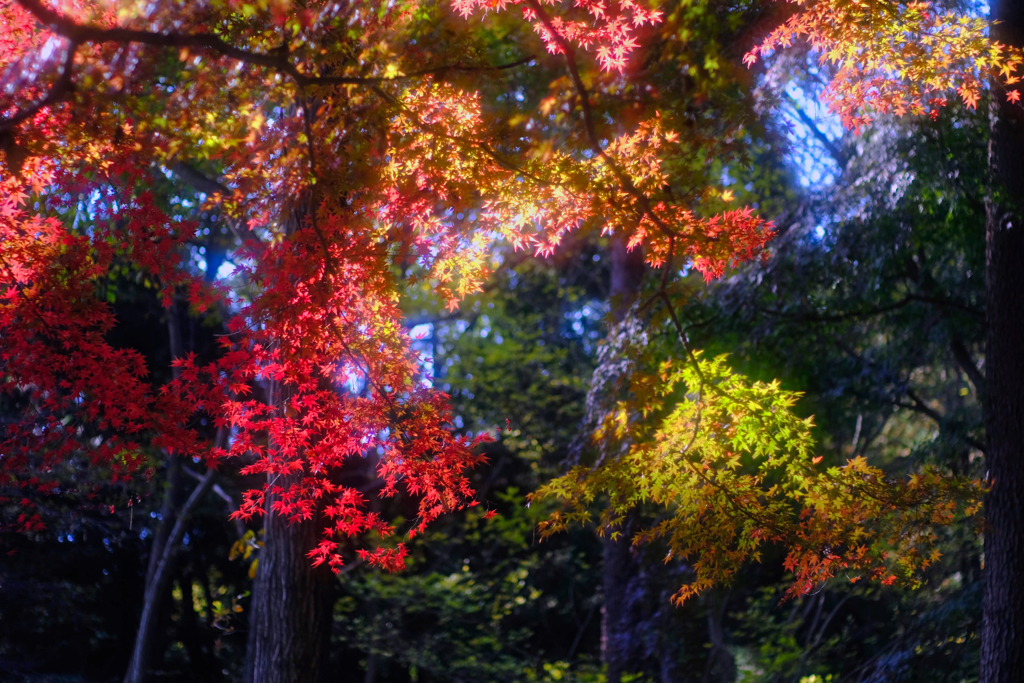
{"x":1002,"y":645}
{"x":619,"y":646}
{"x":290,"y":617}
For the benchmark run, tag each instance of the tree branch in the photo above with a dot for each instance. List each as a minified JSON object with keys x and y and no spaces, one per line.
{"x":137,"y":665}
{"x":222,"y":494}
{"x":920,"y":406}
{"x":588,"y":119}
{"x":61,"y":87}
{"x":277,"y":60}
{"x":198,"y":180}
{"x":203,"y":183}
{"x":838,"y":155}
{"x":964,"y":359}
{"x":439,"y":71}
{"x":868,"y":312}
{"x":80,"y":33}
{"x":947,"y":303}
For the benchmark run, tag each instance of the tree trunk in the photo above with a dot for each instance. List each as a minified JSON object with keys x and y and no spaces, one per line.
{"x":290,"y":622}
{"x":138,"y":668}
{"x":156,"y":584}
{"x":290,"y":618}
{"x":1002,"y":646}
{"x":619,"y":646}
{"x":619,"y":641}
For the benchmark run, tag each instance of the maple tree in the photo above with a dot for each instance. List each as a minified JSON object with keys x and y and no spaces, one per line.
{"x":735,"y":468}
{"x":869,"y":316}
{"x":897,"y":58}
{"x":325,"y":311}
{"x":352,"y":153}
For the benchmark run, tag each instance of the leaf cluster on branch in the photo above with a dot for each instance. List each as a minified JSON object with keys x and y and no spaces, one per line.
{"x":351,"y":155}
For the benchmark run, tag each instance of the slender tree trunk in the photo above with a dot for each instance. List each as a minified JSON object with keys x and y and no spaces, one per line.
{"x":1002,"y":645}
{"x":138,"y":668}
{"x":619,"y":647}
{"x":155,"y":586}
{"x":173,"y":490}
{"x":618,"y":634}
{"x":290,"y":618}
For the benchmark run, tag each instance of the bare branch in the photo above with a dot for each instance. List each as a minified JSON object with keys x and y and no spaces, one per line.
{"x":203,"y":183}
{"x":919,"y":406}
{"x":216,"y":488}
{"x":964,"y":359}
{"x":198,"y":180}
{"x":838,"y":154}
{"x":948,"y":303}
{"x":864,"y":313}
{"x":878,"y":310}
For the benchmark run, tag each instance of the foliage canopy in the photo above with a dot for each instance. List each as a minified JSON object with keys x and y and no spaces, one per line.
{"x":350,"y":150}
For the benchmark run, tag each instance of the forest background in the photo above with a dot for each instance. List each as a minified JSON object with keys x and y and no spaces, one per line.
{"x":871,"y":302}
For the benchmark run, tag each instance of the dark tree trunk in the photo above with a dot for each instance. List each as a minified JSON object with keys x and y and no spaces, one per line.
{"x":290,"y":621}
{"x":291,"y":614}
{"x":138,"y":668}
{"x":173,"y":490}
{"x":721,"y":666}
{"x":619,"y":641}
{"x":202,"y":661}
{"x":157,"y":582}
{"x":290,"y":617}
{"x":1002,"y":647}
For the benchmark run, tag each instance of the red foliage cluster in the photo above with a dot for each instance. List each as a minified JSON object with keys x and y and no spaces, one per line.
{"x":81,"y":400}
{"x":323,"y":336}
{"x":606,"y":27}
